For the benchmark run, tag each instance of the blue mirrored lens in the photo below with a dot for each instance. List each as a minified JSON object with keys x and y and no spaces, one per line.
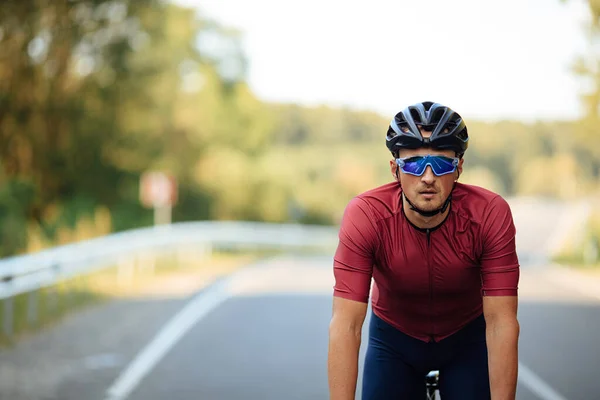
{"x":439,"y":164}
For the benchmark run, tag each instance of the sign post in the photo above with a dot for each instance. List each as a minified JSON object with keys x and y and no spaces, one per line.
{"x":158,"y":191}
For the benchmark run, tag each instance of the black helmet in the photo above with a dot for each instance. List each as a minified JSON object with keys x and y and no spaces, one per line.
{"x":448,"y":129}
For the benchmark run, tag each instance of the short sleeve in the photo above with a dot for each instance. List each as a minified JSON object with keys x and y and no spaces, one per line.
{"x":499,"y":261}
{"x":354,"y":257}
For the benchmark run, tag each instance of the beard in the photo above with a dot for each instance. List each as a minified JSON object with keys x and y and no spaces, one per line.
{"x":427,"y":198}
{"x":427,"y":204}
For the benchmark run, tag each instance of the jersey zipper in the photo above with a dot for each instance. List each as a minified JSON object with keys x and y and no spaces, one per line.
{"x":428,"y":232}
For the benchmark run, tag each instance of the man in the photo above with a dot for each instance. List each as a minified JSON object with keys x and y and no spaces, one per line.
{"x":442,"y":258}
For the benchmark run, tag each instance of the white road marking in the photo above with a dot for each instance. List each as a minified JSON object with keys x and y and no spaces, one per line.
{"x":534,"y":383}
{"x":164,"y":341}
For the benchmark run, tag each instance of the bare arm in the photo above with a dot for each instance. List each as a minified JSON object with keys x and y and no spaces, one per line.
{"x":502,"y":335}
{"x":344,"y":343}
{"x":353,"y":264}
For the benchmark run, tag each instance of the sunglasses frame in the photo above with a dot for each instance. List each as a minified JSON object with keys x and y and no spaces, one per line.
{"x":401,"y":162}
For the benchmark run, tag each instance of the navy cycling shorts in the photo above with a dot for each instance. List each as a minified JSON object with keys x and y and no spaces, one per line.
{"x":396,"y":364}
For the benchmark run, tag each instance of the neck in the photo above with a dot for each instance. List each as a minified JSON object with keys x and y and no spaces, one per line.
{"x":421,"y":221}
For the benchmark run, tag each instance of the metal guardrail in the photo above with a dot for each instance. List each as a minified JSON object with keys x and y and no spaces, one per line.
{"x":28,"y":273}
{"x":21,"y":274}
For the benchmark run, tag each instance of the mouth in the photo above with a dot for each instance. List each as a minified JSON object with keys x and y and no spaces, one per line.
{"x":428,"y":194}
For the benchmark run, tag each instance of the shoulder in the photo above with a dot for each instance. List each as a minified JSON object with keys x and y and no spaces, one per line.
{"x":477,"y":203}
{"x":378,"y":203}
{"x":487,"y":212}
{"x":364,"y":211}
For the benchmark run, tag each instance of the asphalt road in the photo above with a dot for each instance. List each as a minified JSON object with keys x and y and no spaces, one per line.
{"x":263,"y":335}
{"x":268,"y":340}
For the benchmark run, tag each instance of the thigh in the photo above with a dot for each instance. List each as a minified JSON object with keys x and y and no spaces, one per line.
{"x":386,"y":374}
{"x":466,"y":376}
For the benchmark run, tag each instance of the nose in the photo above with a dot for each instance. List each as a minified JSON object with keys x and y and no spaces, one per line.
{"x":428,"y":176}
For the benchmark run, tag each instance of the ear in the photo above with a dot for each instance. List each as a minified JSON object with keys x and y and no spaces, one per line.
{"x":394,"y":169}
{"x":459,"y":167}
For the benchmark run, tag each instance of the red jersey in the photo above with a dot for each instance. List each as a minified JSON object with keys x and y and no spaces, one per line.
{"x":428,"y":283}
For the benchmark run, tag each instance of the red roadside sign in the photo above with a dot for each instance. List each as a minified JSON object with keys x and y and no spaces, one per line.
{"x":158,"y":189}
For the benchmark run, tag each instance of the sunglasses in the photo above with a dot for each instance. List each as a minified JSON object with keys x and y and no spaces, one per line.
{"x":417,"y":165}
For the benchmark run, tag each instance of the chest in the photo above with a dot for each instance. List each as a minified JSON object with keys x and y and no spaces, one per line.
{"x":447,"y":257}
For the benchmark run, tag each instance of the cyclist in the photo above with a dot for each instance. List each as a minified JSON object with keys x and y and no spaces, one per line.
{"x":442,"y":258}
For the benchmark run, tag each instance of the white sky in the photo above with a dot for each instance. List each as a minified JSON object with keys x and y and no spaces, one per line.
{"x":486,"y":59}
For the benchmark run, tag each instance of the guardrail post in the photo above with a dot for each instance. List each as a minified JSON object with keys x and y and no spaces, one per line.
{"x":67,"y":297}
{"x":8,"y":317}
{"x":52,"y":292}
{"x":52,"y":300}
{"x":32,"y":308}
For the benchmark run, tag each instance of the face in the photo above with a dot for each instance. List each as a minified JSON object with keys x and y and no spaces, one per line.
{"x":428,"y":191}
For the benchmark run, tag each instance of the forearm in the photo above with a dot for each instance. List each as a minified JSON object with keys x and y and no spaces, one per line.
{"x":502,"y":342}
{"x":344,"y":347}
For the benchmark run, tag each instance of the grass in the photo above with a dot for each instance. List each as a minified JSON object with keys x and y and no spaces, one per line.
{"x":584,"y":254}
{"x":52,"y":304}
{"x":576,"y":258}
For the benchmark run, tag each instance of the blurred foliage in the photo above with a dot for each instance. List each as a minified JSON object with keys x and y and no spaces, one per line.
{"x":94,"y":93}
{"x":584,"y":250}
{"x":586,"y":135}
